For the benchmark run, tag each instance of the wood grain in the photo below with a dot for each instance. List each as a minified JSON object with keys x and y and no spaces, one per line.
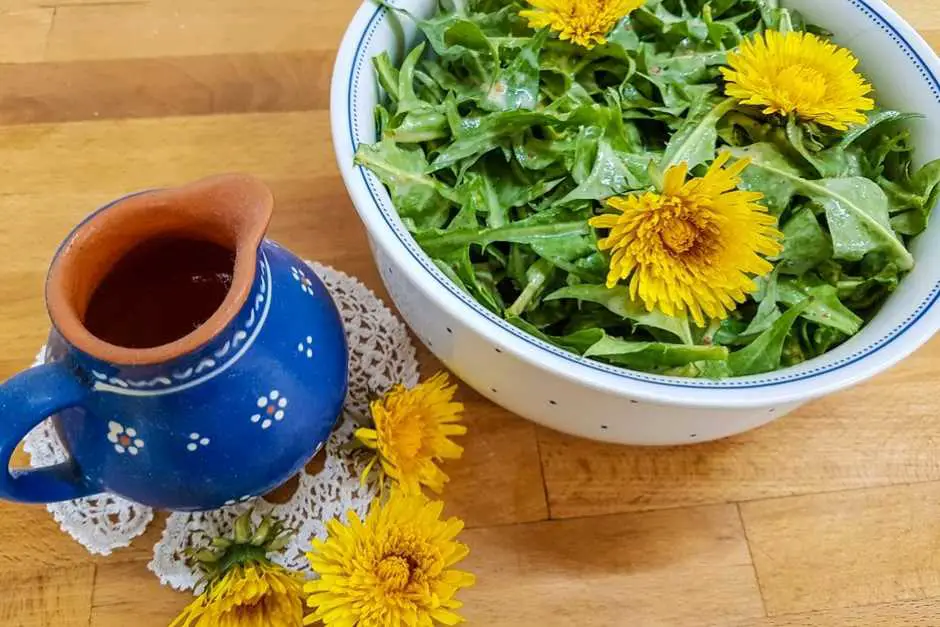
{"x":174,"y":86}
{"x":32,"y":543}
{"x":825,"y":551}
{"x":827,"y":518}
{"x":118,"y":156}
{"x":181,"y":28}
{"x":501,"y":453}
{"x":54,"y":597}
{"x":661,"y":568}
{"x":127,"y":593}
{"x":845,"y":441}
{"x":25,"y":32}
{"x":921,"y":613}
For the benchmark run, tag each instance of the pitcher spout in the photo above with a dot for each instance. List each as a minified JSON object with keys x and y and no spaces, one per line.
{"x":221,"y":220}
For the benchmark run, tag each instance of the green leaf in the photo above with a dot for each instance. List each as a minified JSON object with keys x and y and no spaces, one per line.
{"x":694,"y":142}
{"x":609,"y":177}
{"x":407,"y":99}
{"x":771,"y":174}
{"x":387,"y":74}
{"x":857,"y":214}
{"x":648,"y":355}
{"x":517,"y":86}
{"x":537,"y":276}
{"x":420,"y":199}
{"x":578,"y":342}
{"x":764,"y":353}
{"x":477,"y":191}
{"x":767,"y":311}
{"x":476,"y":280}
{"x":856,"y":208}
{"x":822,"y":305}
{"x":467,"y":33}
{"x":912,"y":201}
{"x":617,"y":300}
{"x":539,"y":228}
{"x":421,"y":125}
{"x":875,"y":120}
{"x":481,"y":139}
{"x":805,"y":244}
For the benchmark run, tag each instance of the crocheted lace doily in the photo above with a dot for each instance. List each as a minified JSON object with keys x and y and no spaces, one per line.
{"x":380,"y":355}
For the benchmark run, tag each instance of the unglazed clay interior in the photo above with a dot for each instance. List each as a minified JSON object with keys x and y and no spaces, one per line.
{"x":212,"y":226}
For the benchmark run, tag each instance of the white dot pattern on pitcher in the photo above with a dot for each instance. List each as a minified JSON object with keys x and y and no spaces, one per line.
{"x":306,"y":347}
{"x":272,"y":409}
{"x":241,"y":499}
{"x":125,"y":439}
{"x":196,"y":441}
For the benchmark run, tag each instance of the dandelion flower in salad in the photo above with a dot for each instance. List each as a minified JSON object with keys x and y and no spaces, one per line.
{"x":583,"y":22}
{"x":694,"y":247}
{"x":799,"y":74}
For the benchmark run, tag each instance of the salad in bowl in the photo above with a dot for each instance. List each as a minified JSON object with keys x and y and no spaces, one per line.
{"x":730,"y":193}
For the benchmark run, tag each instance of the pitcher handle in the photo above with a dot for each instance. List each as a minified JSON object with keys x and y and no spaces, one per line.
{"x":26,"y":400}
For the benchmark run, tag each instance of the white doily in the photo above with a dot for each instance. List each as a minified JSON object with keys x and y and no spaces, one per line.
{"x":380,"y":355}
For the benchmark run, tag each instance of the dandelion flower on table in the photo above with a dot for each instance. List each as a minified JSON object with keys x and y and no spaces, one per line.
{"x":693,"y":247}
{"x":248,"y":596}
{"x":799,"y":74}
{"x":583,"y":22}
{"x":244,"y":588}
{"x":412,"y":432}
{"x":393,"y":569}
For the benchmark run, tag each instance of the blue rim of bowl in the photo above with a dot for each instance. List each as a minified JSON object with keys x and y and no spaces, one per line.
{"x":391,"y":219}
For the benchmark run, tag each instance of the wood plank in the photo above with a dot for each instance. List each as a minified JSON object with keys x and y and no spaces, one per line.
{"x":128,"y":593}
{"x":181,"y":28}
{"x":686,"y":567}
{"x":32,"y":542}
{"x":499,"y":478}
{"x":53,"y":598}
{"x":235,"y":83}
{"x":826,"y":551}
{"x":119,"y":156}
{"x":875,"y":435}
{"x":923,"y":16}
{"x":921,"y":613}
{"x":25,"y":31}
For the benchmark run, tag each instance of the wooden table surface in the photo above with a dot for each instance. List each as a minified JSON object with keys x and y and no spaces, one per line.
{"x":830,"y":516}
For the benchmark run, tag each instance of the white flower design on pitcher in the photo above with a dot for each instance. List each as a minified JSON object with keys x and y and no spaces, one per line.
{"x":197,"y":441}
{"x":272,"y":408}
{"x":125,"y":440}
{"x":301,"y":277}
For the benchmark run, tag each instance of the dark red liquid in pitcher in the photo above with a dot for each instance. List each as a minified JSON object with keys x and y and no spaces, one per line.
{"x":160,"y":292}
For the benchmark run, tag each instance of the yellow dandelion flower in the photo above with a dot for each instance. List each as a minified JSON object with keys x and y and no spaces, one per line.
{"x":692,"y":247}
{"x":799,"y":74}
{"x":583,"y":22}
{"x":244,"y":589}
{"x":391,"y":570}
{"x":246,"y":596}
{"x":412,"y":431}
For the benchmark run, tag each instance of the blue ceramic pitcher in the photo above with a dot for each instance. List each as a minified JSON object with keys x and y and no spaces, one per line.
{"x":192,"y":362}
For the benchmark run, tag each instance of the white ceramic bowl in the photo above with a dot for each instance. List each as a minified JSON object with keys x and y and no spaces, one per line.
{"x":594,"y":400}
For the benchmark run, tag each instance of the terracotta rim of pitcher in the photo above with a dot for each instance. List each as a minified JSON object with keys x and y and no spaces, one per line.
{"x":232,"y":210}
